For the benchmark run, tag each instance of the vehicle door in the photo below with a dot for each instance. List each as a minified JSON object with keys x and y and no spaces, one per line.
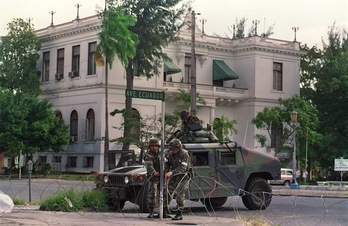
{"x":203,"y":181}
{"x":230,"y":171}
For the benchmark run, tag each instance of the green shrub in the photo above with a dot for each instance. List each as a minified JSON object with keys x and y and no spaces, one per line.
{"x":66,"y":201}
{"x":70,"y":201}
{"x":18,"y":201}
{"x":94,"y":199}
{"x":47,"y":168}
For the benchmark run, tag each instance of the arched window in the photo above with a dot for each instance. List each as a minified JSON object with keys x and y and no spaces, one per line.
{"x":90,"y":127}
{"x":74,"y":126}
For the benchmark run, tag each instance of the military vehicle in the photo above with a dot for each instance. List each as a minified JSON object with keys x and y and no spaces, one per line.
{"x":220,"y":170}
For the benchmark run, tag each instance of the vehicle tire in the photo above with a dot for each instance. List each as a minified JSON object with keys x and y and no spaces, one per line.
{"x":258,"y":194}
{"x":141,"y":199}
{"x":213,"y":203}
{"x":287,"y":183}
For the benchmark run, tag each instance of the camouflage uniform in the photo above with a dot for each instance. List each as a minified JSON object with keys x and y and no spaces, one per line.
{"x":152,"y":165}
{"x":179,"y":164}
{"x":189,"y":122}
{"x":192,"y":130}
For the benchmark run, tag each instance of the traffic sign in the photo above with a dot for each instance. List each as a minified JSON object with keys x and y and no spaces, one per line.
{"x":144,"y":94}
{"x":341,"y":164}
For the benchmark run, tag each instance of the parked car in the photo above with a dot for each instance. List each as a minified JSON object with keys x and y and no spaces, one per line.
{"x":286,"y":177}
{"x":221,"y":169}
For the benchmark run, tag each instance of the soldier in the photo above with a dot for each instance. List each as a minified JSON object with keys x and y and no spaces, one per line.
{"x":152,"y":164}
{"x":190,"y":122}
{"x":192,"y":128}
{"x":177,"y":175}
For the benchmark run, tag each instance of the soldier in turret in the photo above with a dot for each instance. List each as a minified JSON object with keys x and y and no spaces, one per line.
{"x":190,"y":122}
{"x":192,"y":128}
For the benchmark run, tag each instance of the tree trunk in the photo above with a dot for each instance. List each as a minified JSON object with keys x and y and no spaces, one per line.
{"x":129,"y":102}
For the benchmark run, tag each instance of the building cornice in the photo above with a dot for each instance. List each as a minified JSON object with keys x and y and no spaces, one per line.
{"x":289,"y":48}
{"x":215,"y":43}
{"x":70,"y":29}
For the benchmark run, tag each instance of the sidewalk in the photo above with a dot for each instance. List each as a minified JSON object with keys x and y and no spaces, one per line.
{"x":312,"y":191}
{"x":31,"y":215}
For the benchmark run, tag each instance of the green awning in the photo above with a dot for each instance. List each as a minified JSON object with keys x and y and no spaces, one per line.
{"x":171,"y":68}
{"x":222,"y":72}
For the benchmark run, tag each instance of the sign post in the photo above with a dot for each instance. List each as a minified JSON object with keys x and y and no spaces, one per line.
{"x":341,"y":165}
{"x":152,"y":95}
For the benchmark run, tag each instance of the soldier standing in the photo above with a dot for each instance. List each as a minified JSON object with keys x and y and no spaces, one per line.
{"x":176,"y":177}
{"x":152,"y":164}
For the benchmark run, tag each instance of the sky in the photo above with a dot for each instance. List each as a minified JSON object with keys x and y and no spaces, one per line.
{"x":311,"y":18}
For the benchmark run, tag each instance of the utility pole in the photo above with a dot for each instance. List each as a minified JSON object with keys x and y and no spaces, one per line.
{"x":193,"y":65}
{"x":106,"y":135}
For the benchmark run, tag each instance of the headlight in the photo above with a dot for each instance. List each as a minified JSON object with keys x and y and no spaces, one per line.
{"x":106,"y":179}
{"x":126,"y":180}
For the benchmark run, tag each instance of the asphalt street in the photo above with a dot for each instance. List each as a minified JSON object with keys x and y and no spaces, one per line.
{"x":31,"y":215}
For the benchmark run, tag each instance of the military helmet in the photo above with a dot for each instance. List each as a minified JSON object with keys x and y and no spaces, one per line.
{"x":175,"y":144}
{"x":154,"y":141}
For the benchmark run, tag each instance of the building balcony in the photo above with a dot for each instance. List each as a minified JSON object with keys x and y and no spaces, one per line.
{"x":222,"y":95}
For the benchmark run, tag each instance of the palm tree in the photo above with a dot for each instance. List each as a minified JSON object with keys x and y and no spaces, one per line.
{"x":115,"y":39}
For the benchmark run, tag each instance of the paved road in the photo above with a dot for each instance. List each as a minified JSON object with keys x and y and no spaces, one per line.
{"x":288,"y":206}
{"x":41,"y":188}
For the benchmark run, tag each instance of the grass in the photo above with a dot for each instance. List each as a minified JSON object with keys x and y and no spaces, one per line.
{"x":66,"y":176}
{"x":18,"y":201}
{"x":72,"y":201}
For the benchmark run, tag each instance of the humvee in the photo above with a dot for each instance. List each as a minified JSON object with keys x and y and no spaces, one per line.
{"x":220,"y":170}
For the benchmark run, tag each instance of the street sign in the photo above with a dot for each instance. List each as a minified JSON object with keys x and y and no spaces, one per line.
{"x":341,"y":165}
{"x":144,"y":94}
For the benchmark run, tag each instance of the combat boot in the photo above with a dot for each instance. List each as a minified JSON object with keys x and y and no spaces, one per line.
{"x":151,"y":214}
{"x":178,"y":216}
{"x":165,"y":213}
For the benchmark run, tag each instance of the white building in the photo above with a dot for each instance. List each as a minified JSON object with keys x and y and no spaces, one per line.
{"x":266,"y":70}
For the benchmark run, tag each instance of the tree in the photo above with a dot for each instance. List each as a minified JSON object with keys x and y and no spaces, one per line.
{"x":185,"y":98}
{"x":238,"y":31}
{"x":29,"y":125}
{"x":279,"y":117}
{"x":328,"y":91}
{"x":222,"y":127}
{"x":142,"y":130}
{"x":155,"y":28}
{"x":310,"y":64}
{"x":115,"y":40}
{"x":115,"y":37}
{"x":18,"y":57}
